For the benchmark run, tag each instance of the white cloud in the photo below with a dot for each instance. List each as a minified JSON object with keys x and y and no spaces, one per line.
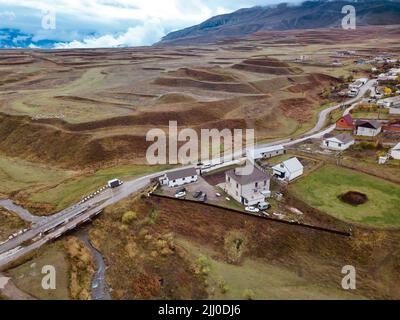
{"x":135,"y":36}
{"x":88,"y":23}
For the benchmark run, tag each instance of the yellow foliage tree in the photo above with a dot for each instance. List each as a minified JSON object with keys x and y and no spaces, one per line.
{"x":387,"y":91}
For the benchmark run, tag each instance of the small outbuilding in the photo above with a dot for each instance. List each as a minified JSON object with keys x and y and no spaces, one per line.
{"x":345,"y":123}
{"x":288,"y":170}
{"x":395,"y":152}
{"x":340,"y":142}
{"x":267,"y":152}
{"x":368,"y":128}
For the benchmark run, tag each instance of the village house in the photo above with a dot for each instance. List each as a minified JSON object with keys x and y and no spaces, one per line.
{"x":368,"y":128}
{"x":288,"y":170}
{"x":267,"y":152}
{"x":392,"y":103}
{"x":179,"y":177}
{"x":340,"y":142}
{"x":395,"y":152}
{"x":345,"y":123}
{"x":248,"y":189}
{"x":394,"y":72}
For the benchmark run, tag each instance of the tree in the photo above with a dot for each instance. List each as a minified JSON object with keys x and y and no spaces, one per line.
{"x":387,"y":91}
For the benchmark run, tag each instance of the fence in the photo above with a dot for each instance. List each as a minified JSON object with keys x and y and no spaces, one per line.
{"x":300,"y":225}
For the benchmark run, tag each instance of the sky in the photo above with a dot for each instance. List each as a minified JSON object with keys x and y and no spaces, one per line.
{"x":110,"y":23}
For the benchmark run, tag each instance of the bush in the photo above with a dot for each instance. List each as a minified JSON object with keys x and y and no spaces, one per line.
{"x":223,"y":286}
{"x":365,"y":145}
{"x":235,"y":246}
{"x":128,"y":217}
{"x":152,"y":217}
{"x":202,"y":266}
{"x":248,"y":294}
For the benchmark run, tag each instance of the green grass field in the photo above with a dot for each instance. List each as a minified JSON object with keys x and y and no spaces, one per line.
{"x":322,"y":188}
{"x":16,"y":174}
{"x":74,"y":189}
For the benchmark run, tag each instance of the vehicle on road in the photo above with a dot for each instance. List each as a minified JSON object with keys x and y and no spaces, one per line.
{"x":206,"y":165}
{"x":115,"y":183}
{"x":252,"y":209}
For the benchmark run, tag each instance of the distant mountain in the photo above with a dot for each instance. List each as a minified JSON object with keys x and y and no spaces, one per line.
{"x":13,"y":38}
{"x":308,"y":15}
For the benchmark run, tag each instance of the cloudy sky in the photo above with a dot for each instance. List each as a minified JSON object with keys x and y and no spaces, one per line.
{"x":106,"y":23}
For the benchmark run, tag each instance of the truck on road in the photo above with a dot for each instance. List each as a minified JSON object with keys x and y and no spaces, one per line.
{"x":114,"y":183}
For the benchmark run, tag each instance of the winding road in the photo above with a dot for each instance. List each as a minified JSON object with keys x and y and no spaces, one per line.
{"x":49,"y":228}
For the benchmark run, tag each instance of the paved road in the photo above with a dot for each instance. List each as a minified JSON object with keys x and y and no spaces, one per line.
{"x":21,"y":212}
{"x":54,"y":226}
{"x":49,"y":228}
{"x":318,"y":131}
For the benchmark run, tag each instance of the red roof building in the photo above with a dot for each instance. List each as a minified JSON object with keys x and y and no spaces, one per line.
{"x":345,"y":123}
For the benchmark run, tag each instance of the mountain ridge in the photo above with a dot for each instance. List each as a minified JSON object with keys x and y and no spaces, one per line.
{"x":307,"y":15}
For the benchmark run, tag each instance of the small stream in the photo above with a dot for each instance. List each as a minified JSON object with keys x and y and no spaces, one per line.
{"x":100,"y":290}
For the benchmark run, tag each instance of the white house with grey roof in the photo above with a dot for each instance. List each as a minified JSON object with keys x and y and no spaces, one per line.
{"x":288,"y":170}
{"x":180,"y":177}
{"x":248,"y":189}
{"x":340,"y":142}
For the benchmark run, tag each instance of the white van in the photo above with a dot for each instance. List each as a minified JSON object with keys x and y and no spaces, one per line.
{"x":264,"y":206}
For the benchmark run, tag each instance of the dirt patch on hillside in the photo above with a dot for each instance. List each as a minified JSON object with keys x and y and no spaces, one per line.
{"x":169,"y":98}
{"x":266,"y":65}
{"x":47,"y":144}
{"x":354,"y":198}
{"x":314,"y":83}
{"x":209,"y":75}
{"x":212,"y":86}
{"x":297,"y":108}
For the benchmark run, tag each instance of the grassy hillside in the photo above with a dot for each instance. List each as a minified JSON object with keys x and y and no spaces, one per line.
{"x":322,"y":189}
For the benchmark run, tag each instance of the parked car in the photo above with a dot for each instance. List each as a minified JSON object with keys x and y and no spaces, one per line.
{"x":264,"y":206}
{"x":181,"y":190}
{"x":180,"y":195}
{"x":252,"y":209}
{"x":203,"y":198}
{"x":198,"y":194}
{"x":206,"y":165}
